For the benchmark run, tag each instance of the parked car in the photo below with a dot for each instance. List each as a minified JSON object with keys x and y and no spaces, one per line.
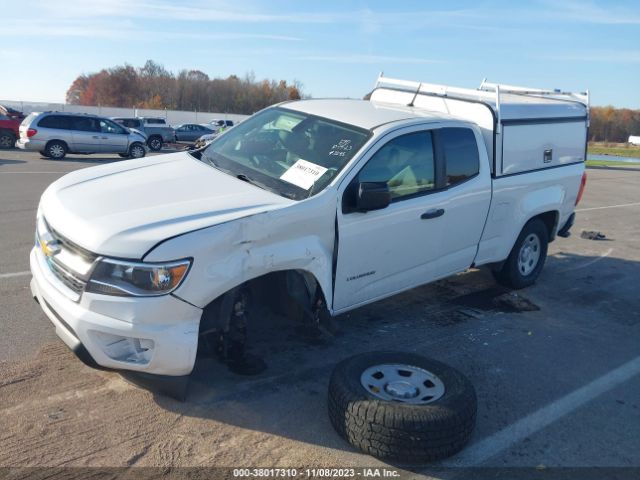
{"x":10,"y":120}
{"x":321,"y":205}
{"x":190,"y":132}
{"x":54,"y":134}
{"x":156,"y":130}
{"x":217,"y":124}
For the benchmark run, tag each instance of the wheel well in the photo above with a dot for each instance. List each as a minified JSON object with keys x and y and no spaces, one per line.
{"x":550,"y":219}
{"x":7,"y":130}
{"x":56,"y":141}
{"x":155,"y":135}
{"x":290,"y":293}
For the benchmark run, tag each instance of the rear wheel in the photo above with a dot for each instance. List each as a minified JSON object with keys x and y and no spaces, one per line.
{"x":56,"y":150}
{"x":525,"y":262}
{"x":7,"y":140}
{"x":137,"y":151}
{"x":155,"y":143}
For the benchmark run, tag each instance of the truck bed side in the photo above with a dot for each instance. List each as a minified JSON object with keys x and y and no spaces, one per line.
{"x":518,"y":198}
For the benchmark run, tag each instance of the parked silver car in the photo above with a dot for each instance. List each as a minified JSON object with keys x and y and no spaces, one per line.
{"x":54,"y":134}
{"x":190,"y":132}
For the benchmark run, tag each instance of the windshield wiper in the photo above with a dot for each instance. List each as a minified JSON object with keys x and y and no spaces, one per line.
{"x":244,"y":178}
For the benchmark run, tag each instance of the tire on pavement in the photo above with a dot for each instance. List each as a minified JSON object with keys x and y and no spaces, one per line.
{"x":7,"y":140}
{"x":155,"y":143}
{"x":56,"y":150}
{"x":402,"y":406}
{"x":524,"y":264}
{"x":136,"y":150}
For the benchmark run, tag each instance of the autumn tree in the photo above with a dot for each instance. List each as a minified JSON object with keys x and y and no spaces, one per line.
{"x":152,"y":86}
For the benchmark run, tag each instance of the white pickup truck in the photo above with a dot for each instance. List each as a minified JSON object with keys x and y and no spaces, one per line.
{"x":325,"y":204}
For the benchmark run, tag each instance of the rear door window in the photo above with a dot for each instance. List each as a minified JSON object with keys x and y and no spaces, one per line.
{"x":460,"y":151}
{"x":60,"y":122}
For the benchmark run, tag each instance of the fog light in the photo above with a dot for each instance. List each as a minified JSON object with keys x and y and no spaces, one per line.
{"x":133,"y":350}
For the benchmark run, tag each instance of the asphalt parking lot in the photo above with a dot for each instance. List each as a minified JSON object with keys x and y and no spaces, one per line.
{"x":556,"y":366}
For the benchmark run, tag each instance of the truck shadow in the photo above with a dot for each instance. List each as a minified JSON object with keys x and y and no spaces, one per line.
{"x":289,"y":399}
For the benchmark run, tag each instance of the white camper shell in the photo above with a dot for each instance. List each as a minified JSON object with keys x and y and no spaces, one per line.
{"x":524,"y":129}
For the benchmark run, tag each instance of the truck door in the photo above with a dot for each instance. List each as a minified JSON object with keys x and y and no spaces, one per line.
{"x":433,"y":224}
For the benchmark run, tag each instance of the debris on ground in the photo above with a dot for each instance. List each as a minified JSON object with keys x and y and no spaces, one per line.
{"x":593,"y":235}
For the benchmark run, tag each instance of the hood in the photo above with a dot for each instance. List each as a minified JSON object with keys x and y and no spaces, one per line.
{"x":124,"y":209}
{"x":142,"y":134}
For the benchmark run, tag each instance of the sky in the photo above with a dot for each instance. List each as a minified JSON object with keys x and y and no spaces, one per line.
{"x":334,"y":48}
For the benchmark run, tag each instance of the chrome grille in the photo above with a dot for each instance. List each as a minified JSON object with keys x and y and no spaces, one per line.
{"x":66,"y":277}
{"x":72,"y":264}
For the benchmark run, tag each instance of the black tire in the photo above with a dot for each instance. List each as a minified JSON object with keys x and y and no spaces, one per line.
{"x":7,"y":140}
{"x":511,"y":274}
{"x":43,"y":153}
{"x":56,"y":150}
{"x":123,"y":155}
{"x":136,"y":150}
{"x":395,"y":430}
{"x":155,"y":143}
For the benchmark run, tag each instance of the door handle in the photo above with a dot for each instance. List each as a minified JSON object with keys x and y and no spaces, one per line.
{"x":432,"y":214}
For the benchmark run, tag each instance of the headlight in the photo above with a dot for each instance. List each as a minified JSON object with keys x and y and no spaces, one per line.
{"x":136,"y":279}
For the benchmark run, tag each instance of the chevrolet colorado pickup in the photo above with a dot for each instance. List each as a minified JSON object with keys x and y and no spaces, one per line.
{"x":325,"y":205}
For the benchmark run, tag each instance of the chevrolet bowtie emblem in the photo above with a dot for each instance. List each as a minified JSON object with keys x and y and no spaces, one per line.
{"x":49,"y":245}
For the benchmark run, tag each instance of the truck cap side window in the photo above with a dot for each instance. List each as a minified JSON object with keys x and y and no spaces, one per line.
{"x":461,"y":154}
{"x":405,"y":164}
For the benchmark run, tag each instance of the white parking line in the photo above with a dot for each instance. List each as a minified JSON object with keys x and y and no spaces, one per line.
{"x":608,"y":206}
{"x":487,"y":448}
{"x":590,"y":262}
{"x":1,"y":172}
{"x":15,"y":274}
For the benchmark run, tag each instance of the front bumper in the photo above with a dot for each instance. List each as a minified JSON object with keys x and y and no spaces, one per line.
{"x":157,"y":335}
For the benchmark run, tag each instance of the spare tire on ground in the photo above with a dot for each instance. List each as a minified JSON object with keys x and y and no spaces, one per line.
{"x":402,"y":406}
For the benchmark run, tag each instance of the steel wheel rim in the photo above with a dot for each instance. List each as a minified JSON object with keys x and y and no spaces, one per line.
{"x":395,"y":382}
{"x":56,"y":151}
{"x":5,"y":141}
{"x":137,"y":152}
{"x":529,"y":254}
{"x":156,"y":144}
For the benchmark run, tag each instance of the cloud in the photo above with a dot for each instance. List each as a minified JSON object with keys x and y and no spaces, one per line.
{"x":125,"y":31}
{"x":364,"y":59}
{"x":590,"y":12}
{"x":603,"y":56}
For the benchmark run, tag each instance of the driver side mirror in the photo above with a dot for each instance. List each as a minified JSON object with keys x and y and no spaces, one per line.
{"x":372,"y":196}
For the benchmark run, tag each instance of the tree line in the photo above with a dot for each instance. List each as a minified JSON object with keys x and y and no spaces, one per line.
{"x":610,"y":124}
{"x":154,"y":87}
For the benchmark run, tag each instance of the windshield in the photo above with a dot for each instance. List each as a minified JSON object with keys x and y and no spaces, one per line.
{"x":291,"y":153}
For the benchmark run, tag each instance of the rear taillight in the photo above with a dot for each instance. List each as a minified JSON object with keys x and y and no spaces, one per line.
{"x":31,"y":132}
{"x":583,"y":183}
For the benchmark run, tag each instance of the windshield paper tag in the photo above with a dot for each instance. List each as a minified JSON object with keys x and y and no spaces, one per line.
{"x":303,"y":174}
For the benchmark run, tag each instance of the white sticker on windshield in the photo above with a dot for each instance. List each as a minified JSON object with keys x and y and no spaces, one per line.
{"x":303,"y":174}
